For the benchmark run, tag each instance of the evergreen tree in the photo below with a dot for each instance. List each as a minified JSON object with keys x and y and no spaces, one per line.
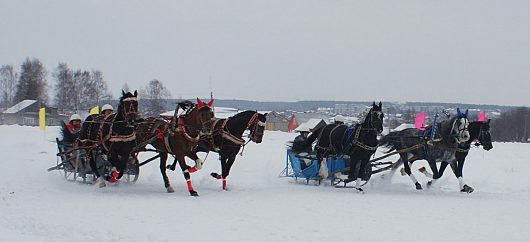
{"x":32,"y":84}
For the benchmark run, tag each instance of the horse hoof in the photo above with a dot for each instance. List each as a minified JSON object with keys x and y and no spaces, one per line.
{"x":194,"y":193}
{"x":467,"y":189}
{"x":170,"y":189}
{"x":215,"y":175}
{"x":170,"y":167}
{"x":359,"y":190}
{"x":418,"y":186}
{"x":429,"y":183}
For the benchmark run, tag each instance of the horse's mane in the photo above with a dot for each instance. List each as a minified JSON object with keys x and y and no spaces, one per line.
{"x":238,"y":119}
{"x":362,"y":115}
{"x":186,"y":104}
{"x":446,"y":128}
{"x":241,"y":115}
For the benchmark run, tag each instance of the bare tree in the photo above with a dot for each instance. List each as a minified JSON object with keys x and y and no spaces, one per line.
{"x":73,"y":95}
{"x":93,"y":89}
{"x":101,"y":91}
{"x":155,"y":96}
{"x":32,"y":84}
{"x":8,"y":85}
{"x":63,"y":77}
{"x":86,"y":90}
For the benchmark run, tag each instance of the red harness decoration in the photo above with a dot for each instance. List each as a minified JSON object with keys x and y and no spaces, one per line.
{"x":160,"y":133}
{"x":181,"y":129}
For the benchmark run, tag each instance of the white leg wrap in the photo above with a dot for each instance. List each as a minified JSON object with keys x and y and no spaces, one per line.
{"x":198,"y":163}
{"x":358,"y":183}
{"x":101,"y":182}
{"x":323,"y":170}
{"x":426,"y":173}
{"x":461,"y":182}
{"x":413,"y":178}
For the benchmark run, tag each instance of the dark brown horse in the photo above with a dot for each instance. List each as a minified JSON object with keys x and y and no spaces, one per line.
{"x":113,"y":134}
{"x":179,"y":137}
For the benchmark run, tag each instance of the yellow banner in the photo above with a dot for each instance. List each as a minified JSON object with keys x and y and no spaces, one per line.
{"x":94,"y":110}
{"x":42,"y":119}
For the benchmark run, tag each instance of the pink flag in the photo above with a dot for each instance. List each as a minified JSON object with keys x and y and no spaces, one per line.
{"x":419,"y":120}
{"x":481,"y":117}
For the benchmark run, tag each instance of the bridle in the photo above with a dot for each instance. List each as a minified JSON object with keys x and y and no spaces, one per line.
{"x":459,"y":131}
{"x":131,"y":109}
{"x":371,"y":120}
{"x":206,"y":123}
{"x":253,"y":124}
{"x":481,"y":135}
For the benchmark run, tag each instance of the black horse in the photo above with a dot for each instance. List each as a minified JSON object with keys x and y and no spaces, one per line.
{"x":359,"y":142}
{"x":113,"y":134}
{"x":226,"y":139}
{"x":479,"y":133}
{"x":448,"y":135}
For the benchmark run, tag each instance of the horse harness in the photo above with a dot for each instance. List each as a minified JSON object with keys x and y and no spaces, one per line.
{"x":110,"y":137}
{"x":219,"y":128}
{"x":347,"y":137}
{"x":167,"y":129}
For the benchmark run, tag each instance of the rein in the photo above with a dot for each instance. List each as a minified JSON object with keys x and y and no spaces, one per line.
{"x":223,"y":131}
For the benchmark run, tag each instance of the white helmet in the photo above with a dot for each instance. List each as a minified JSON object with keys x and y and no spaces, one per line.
{"x":75,"y":116}
{"x":339,"y":118}
{"x":107,"y":107}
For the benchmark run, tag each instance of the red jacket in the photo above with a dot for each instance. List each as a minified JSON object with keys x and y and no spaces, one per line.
{"x":73,"y":128}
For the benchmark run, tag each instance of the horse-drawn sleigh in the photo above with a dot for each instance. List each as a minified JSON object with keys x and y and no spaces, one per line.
{"x":108,"y":147}
{"x":342,"y":150}
{"x":103,"y":146}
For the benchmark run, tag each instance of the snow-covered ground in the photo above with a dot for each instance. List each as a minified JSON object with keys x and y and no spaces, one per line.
{"x":36,"y":205}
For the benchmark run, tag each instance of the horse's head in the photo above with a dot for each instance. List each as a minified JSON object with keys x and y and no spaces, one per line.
{"x":460,"y":126}
{"x":257,"y":127}
{"x":128,"y":106}
{"x":205,"y":115}
{"x":375,"y":116}
{"x":201,"y":115}
{"x":484,"y":136}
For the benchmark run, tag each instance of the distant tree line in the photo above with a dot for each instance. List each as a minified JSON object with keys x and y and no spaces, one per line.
{"x":74,"y":90}
{"x":78,"y":89}
{"x":512,"y":126}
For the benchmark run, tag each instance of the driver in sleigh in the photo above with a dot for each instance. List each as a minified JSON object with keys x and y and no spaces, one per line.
{"x":300,"y":149}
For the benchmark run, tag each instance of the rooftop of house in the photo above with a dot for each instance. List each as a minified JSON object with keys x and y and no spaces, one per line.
{"x":20,"y":106}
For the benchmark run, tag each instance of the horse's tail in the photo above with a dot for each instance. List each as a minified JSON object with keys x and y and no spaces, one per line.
{"x":390,"y":141}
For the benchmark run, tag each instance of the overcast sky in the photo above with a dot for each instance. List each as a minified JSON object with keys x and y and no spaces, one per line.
{"x":397,"y":50}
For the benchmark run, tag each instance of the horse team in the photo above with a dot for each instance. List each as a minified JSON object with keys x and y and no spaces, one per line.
{"x":195,"y":129}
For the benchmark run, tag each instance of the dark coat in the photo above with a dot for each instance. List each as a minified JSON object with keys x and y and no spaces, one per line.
{"x":298,"y":145}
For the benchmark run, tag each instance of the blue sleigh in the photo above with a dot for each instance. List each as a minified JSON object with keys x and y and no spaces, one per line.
{"x":293,"y":167}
